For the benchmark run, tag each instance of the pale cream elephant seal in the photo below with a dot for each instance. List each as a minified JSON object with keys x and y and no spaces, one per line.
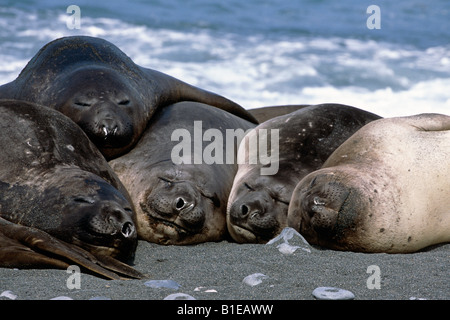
{"x":385,"y":189}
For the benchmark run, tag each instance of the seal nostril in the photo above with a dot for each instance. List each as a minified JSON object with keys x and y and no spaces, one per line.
{"x":108,"y":129}
{"x":127,"y":229}
{"x":180,"y":203}
{"x":244,"y":210}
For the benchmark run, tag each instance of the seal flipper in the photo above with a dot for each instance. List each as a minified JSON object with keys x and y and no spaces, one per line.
{"x":119,"y":267}
{"x":26,"y":247}
{"x":7,"y":91}
{"x":173,"y":90}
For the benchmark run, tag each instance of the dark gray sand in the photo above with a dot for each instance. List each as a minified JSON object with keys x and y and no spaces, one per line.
{"x":213,"y":271}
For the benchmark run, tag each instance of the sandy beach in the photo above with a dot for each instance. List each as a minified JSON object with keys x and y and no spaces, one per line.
{"x":215,"y":271}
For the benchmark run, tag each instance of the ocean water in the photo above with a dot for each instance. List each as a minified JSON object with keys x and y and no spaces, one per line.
{"x":261,"y":52}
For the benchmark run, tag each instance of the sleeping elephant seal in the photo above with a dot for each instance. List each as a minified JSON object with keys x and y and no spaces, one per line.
{"x":59,"y":197}
{"x":180,"y":173}
{"x":258,"y":204}
{"x":101,"y":89}
{"x":386,"y":189}
{"x":266,"y":113}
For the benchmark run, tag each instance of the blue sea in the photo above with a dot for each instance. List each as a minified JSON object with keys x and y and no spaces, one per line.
{"x":392,"y":61}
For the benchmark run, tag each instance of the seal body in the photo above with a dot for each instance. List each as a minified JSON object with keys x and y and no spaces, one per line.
{"x":53,"y":179}
{"x":180,"y":173}
{"x":101,"y":89}
{"x":266,"y":113}
{"x":384,"y":190}
{"x":258,"y":204}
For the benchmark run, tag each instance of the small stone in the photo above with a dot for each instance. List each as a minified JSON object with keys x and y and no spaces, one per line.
{"x":8,"y":294}
{"x":254,"y":279}
{"x":179,"y":296}
{"x":100,"y":298}
{"x":286,"y":236}
{"x":170,"y":284}
{"x":331,"y":293}
{"x":62,"y":298}
{"x":204,"y":289}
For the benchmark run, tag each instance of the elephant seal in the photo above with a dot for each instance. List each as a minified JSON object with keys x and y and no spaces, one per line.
{"x":385,"y":189}
{"x":180,"y":192}
{"x":101,"y":89}
{"x":266,"y":113}
{"x":58,"y":196}
{"x":258,"y":204}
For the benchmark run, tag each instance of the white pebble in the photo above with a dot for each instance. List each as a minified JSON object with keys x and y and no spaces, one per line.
{"x":100,"y":298}
{"x":331,"y":293}
{"x":179,"y":296}
{"x":163,"y":284}
{"x":8,"y":294}
{"x":254,"y":279}
{"x":204,"y":289}
{"x":288,"y":248}
{"x":62,"y":298}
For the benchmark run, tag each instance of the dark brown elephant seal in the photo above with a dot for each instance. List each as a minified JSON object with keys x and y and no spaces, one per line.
{"x":180,"y":193}
{"x":100,"y":88}
{"x":266,"y":113}
{"x":60,"y":202}
{"x":385,"y":189}
{"x":258,"y":204}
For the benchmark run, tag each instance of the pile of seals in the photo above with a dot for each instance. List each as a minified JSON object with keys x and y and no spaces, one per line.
{"x":88,"y":168}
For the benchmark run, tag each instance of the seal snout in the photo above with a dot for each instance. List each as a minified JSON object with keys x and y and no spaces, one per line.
{"x":182,"y":204}
{"x":322,"y":210}
{"x":106,"y":124}
{"x":118,"y":221}
{"x":256,"y":213}
{"x":108,"y":127}
{"x":246,"y":210}
{"x":177,"y":203}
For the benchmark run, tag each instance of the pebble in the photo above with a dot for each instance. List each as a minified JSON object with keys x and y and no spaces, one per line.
{"x":331,"y":293}
{"x":254,"y":279}
{"x":170,"y":284}
{"x":62,"y":298}
{"x":204,"y":289}
{"x":100,"y":298}
{"x":8,"y":294}
{"x":179,"y":296}
{"x":297,"y":241}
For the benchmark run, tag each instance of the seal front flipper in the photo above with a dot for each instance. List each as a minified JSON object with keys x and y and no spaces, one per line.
{"x":170,"y":90}
{"x":119,"y":267}
{"x":26,"y":247}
